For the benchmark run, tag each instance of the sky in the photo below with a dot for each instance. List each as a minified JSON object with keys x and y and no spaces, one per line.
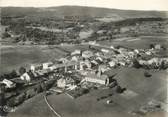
{"x":119,"y":4}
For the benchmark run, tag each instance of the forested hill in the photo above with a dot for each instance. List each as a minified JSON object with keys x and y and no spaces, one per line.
{"x":79,"y":11}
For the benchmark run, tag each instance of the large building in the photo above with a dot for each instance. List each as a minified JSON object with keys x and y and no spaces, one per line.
{"x":94,"y":78}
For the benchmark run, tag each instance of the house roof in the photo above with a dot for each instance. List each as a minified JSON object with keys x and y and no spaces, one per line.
{"x":94,"y":76}
{"x":67,"y":64}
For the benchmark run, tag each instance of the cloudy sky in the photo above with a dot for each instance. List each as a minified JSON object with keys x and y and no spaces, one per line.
{"x":119,"y":4}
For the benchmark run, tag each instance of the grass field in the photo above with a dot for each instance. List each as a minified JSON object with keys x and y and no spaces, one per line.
{"x":141,"y":42}
{"x":13,"y":57}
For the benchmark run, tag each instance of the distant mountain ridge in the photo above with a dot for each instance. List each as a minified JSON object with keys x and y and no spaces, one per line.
{"x":61,"y":11}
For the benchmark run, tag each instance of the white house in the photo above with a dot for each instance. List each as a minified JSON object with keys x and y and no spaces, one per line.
{"x":92,"y":42}
{"x":94,"y":62}
{"x":81,"y":65}
{"x":76,"y":52}
{"x":158,"y":46}
{"x":112,"y":47}
{"x":53,"y":67}
{"x":112,"y":64}
{"x":153,"y":60}
{"x":47,"y":65}
{"x":131,"y":54}
{"x":101,"y":31}
{"x":143,"y":62}
{"x":75,"y":58}
{"x":25,"y":76}
{"x":99,"y":58}
{"x":99,"y":54}
{"x":8,"y":83}
{"x":104,"y":50}
{"x":122,"y":63}
{"x":61,"y":83}
{"x":136,"y":51}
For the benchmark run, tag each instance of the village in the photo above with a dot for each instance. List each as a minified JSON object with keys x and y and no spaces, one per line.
{"x":80,"y":71}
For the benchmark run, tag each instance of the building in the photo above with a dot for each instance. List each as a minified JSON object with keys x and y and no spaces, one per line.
{"x":76,"y":52}
{"x":71,"y":65}
{"x":100,"y":32}
{"x":87,"y":63}
{"x":112,"y":64}
{"x":131,"y":54}
{"x":143,"y":62}
{"x":8,"y":83}
{"x":136,"y":51}
{"x":99,"y":54}
{"x":92,"y":42}
{"x":36,"y":67}
{"x":63,"y":60}
{"x":75,"y":58}
{"x":61,"y":83}
{"x":122,"y":63}
{"x":93,"y":78}
{"x":112,"y":47}
{"x":99,"y":59}
{"x":87,"y":54}
{"x":104,"y":50}
{"x":153,"y":61}
{"x":47,"y":65}
{"x":103,"y":68}
{"x":64,"y":83}
{"x":25,"y":77}
{"x":158,"y":46}
{"x":94,"y":62}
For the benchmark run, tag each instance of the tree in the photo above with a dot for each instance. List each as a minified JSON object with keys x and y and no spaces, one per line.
{"x":136,"y":64}
{"x":152,"y":46}
{"x":22,"y":70}
{"x":13,"y":73}
{"x":6,"y":35}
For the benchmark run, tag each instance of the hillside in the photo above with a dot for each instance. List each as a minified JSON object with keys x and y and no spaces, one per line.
{"x":29,"y":25}
{"x":78,"y":10}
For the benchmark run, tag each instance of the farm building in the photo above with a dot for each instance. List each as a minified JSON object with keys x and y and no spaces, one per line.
{"x":93,"y":78}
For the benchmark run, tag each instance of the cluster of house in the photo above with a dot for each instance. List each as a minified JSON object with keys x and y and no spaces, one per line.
{"x":96,"y":61}
{"x":92,"y":64}
{"x":87,"y":63}
{"x":155,"y":62}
